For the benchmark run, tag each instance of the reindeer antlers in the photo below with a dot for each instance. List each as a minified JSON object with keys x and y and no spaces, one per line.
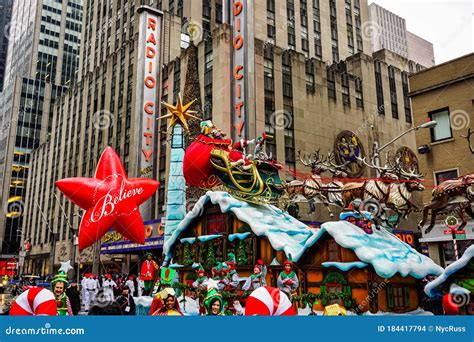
{"x":310,"y":161}
{"x":470,"y":133}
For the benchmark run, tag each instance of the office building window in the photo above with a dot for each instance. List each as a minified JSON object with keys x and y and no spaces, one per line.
{"x":379,"y":87}
{"x":346,"y":98}
{"x":331,"y":84}
{"x":310,"y":79}
{"x":441,"y":176}
{"x":290,"y":12}
{"x":359,"y":93}
{"x":443,"y":130}
{"x":393,"y":91}
{"x":271,"y":30}
{"x":406,"y":99}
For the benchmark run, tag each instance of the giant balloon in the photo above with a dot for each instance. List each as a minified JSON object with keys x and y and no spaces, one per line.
{"x":110,"y":200}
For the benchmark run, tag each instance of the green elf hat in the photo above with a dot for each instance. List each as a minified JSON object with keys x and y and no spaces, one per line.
{"x":211,"y":295}
{"x":231,"y":258}
{"x":167,"y":275}
{"x":200,"y":269}
{"x":218,"y":267}
{"x":60,"y":277}
{"x":149,"y":254}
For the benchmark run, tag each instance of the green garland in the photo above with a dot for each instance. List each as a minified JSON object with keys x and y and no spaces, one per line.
{"x":311,"y":298}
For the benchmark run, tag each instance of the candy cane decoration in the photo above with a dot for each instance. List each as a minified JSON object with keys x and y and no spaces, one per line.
{"x":268,"y":301}
{"x":35,"y":301}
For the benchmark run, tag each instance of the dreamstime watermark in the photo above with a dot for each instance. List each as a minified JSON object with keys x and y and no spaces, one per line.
{"x":103,"y":298}
{"x":14,"y":208}
{"x":370,"y":29}
{"x":193,"y":29}
{"x":376,"y":288}
{"x":190,"y":203}
{"x":459,"y":120}
{"x":45,"y":330}
{"x":459,"y":299}
{"x":281,"y":119}
{"x":103,"y":119}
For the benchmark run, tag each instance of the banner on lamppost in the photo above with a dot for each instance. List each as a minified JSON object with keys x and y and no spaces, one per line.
{"x":148,"y":94}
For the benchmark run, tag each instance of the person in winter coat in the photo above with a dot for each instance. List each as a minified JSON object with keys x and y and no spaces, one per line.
{"x":126,"y":302}
{"x":72,"y":293}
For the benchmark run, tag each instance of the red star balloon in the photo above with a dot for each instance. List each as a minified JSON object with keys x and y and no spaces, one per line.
{"x":110,"y":200}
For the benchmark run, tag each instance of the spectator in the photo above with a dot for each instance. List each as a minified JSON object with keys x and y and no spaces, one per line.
{"x":126,"y":302}
{"x":73,"y":294}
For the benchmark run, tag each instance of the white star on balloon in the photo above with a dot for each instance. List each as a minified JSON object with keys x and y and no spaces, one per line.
{"x":66,"y":266}
{"x":211,"y":284}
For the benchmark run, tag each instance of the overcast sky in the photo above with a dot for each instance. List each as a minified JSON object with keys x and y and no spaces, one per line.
{"x":448,"y":24}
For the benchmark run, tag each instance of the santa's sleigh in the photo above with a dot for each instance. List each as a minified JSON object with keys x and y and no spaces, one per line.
{"x":258,"y":182}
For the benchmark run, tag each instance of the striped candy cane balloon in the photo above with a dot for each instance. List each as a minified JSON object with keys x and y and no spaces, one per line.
{"x":268,"y":301}
{"x":35,"y":301}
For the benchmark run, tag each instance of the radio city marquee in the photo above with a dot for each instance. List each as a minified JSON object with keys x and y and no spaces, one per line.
{"x":114,"y":242}
{"x":148,"y":85}
{"x":242,"y":67}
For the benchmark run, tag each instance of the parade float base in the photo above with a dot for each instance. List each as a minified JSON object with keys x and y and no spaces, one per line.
{"x":384,"y":251}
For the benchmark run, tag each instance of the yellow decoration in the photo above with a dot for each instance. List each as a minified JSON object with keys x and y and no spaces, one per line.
{"x":179,"y":114}
{"x":335,"y":310}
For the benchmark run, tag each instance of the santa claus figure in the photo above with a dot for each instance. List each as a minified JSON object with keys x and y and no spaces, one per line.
{"x":238,"y":156}
{"x":257,"y":279}
{"x":148,"y":273}
{"x":288,"y":280}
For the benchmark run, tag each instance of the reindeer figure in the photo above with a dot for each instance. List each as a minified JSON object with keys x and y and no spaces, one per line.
{"x":314,"y":188}
{"x":392,"y":190}
{"x":378,"y":189}
{"x":451,"y":196}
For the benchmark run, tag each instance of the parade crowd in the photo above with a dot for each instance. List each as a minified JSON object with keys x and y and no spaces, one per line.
{"x":113,"y":294}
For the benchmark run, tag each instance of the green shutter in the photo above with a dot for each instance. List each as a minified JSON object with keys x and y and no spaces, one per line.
{"x":348,"y":290}
{"x":323,"y":294}
{"x":407,"y":296}
{"x":390,"y":297}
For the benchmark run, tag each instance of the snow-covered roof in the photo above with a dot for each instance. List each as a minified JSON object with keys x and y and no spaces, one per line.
{"x":345,"y":266}
{"x":431,"y":287}
{"x":383,"y":250}
{"x":284,"y":232}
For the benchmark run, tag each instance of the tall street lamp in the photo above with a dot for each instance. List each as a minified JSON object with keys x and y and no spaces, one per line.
{"x":377,"y":149}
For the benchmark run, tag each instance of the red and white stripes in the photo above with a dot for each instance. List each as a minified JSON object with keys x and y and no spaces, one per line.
{"x":35,"y":301}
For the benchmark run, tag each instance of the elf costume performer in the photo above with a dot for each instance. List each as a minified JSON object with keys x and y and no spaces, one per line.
{"x":198,"y":284}
{"x":257,"y":279}
{"x":148,"y":273}
{"x":213,"y":303}
{"x":167,"y":278}
{"x":217,"y":276}
{"x":287,"y":279}
{"x":232,"y":275}
{"x":58,"y":285}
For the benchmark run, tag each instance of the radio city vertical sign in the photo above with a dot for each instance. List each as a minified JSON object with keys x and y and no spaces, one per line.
{"x":241,"y":14}
{"x":148,"y":93}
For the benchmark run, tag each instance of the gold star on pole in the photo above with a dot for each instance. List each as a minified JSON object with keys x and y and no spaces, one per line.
{"x":179,"y":114}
